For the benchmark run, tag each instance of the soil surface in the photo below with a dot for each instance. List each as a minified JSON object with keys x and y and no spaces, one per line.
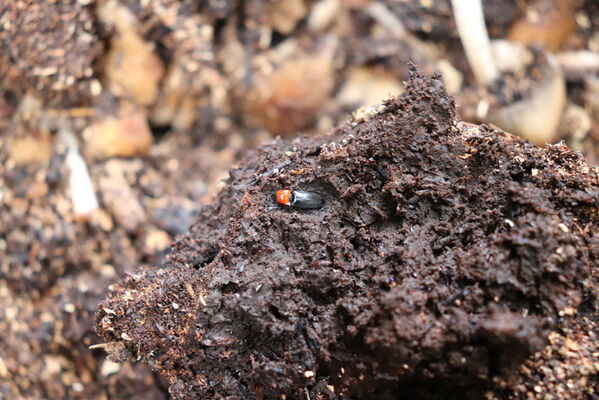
{"x":210,"y":80}
{"x":54,"y":270}
{"x":449,"y":260}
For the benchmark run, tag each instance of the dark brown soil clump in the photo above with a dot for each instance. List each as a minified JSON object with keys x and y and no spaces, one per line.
{"x":444,"y":256}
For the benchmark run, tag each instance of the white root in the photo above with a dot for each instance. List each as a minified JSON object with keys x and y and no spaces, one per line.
{"x":473,"y":33}
{"x":82,"y":190}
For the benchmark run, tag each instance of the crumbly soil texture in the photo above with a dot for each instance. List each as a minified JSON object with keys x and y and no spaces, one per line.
{"x":443,"y":257}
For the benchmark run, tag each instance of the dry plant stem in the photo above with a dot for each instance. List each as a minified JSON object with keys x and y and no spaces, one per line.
{"x":82,"y":190}
{"x":471,"y":26}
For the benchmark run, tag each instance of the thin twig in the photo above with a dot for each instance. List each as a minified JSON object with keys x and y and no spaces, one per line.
{"x":100,"y":345}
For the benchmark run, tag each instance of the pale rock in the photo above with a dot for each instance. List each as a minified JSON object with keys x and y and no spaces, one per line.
{"x":124,"y":135}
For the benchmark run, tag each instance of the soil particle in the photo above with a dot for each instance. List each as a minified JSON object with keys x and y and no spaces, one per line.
{"x":48,"y":46}
{"x":444,"y":255}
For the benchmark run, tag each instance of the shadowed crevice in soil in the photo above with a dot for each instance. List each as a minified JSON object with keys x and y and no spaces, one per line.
{"x":441,"y":259}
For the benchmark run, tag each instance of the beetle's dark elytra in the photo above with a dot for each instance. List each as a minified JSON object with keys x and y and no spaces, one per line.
{"x":306,"y":200}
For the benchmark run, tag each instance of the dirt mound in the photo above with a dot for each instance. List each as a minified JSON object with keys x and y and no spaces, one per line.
{"x":444,"y":255}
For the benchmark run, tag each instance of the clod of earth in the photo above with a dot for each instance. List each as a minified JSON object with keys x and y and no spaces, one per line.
{"x":442,"y":257}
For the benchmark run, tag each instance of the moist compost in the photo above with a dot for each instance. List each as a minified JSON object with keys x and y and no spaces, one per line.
{"x":445,"y":255}
{"x":54,"y":271}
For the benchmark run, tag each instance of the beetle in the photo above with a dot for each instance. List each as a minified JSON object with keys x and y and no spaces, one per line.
{"x":299,"y":199}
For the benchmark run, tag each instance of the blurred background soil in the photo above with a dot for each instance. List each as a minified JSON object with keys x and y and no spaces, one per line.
{"x":152,"y":101}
